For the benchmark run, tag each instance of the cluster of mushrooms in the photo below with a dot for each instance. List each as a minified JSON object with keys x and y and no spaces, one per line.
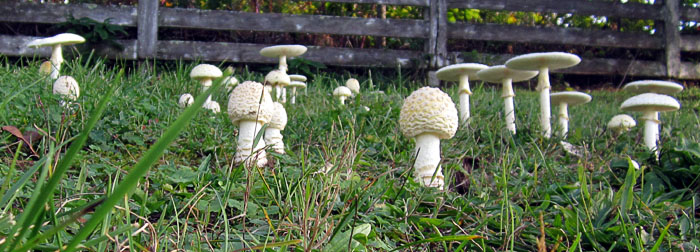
{"x":65,"y":86}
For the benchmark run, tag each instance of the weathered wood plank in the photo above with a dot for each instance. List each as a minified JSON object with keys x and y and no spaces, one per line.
{"x":553,"y":35}
{"x":56,"y":13}
{"x":384,"y":2}
{"x":17,"y":46}
{"x":688,"y":13}
{"x":274,"y":22}
{"x":599,"y":8}
{"x":442,"y":33}
{"x":147,"y":28}
{"x":690,"y":43}
{"x":672,"y":38}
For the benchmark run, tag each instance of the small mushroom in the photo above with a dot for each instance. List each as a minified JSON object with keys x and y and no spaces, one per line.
{"x":461,"y":73}
{"x":230,"y":82}
{"x":278,"y":79}
{"x":57,"y":53}
{"x":354,"y":85}
{"x":543,"y":62}
{"x":205,"y":74}
{"x":67,"y":88}
{"x":564,"y":100}
{"x":213,"y":106}
{"x":297,"y":82}
{"x":621,"y":123}
{"x":273,"y":133}
{"x":185,"y":100}
{"x":506,"y":77}
{"x":428,"y":115}
{"x":283,"y":52}
{"x":45,"y":68}
{"x":650,"y":104}
{"x":653,"y":86}
{"x":342,"y":93}
{"x":249,"y":107}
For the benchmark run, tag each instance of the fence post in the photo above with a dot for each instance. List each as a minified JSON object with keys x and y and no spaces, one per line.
{"x":147,"y":28}
{"x":436,"y":47}
{"x":672,"y":38}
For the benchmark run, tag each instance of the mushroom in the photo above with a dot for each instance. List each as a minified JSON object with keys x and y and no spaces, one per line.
{"x":342,"y":93}
{"x":506,"y":77}
{"x":543,"y":62}
{"x":278,"y":79}
{"x":428,"y":115}
{"x":205,"y":74}
{"x":297,"y":81}
{"x":57,"y":53}
{"x":273,"y":135}
{"x":67,"y":88}
{"x":230,"y":82}
{"x":461,"y":73}
{"x":283,"y":52}
{"x":650,"y":104}
{"x":249,"y":107}
{"x":621,"y":123}
{"x":213,"y":106}
{"x":185,"y":100}
{"x":564,"y":100}
{"x":354,"y":85}
{"x":653,"y":86}
{"x":45,"y":68}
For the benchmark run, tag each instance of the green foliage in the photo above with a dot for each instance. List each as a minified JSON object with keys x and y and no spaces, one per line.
{"x":95,"y":33}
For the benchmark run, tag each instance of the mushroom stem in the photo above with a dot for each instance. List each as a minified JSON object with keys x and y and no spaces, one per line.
{"x":507,"y":96}
{"x":284,"y":95}
{"x":427,"y":153}
{"x":545,"y":113}
{"x":564,"y":118}
{"x":56,"y":61}
{"x":294,"y":95}
{"x":246,"y":136}
{"x":651,"y":129}
{"x":278,"y":92}
{"x":283,"y":63}
{"x":273,"y":136}
{"x":464,"y":93}
{"x":206,"y":83}
{"x":342,"y":99}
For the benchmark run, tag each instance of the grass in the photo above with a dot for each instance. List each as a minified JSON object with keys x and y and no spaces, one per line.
{"x":146,"y":179}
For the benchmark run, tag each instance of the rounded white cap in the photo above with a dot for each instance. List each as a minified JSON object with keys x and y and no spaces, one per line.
{"x":205,"y":71}
{"x":230,"y":82}
{"x":249,"y":102}
{"x":66,"y":87}
{"x":621,"y":121}
{"x":550,"y":60}
{"x":570,"y":97}
{"x":453,"y":72}
{"x":499,"y":73}
{"x":283,"y":50}
{"x":653,"y":86}
{"x":185,"y":100}
{"x":428,"y":110}
{"x":650,"y":102}
{"x":213,"y":106}
{"x":342,"y":91}
{"x":353,"y":84}
{"x":279,"y":117}
{"x":60,"y":39}
{"x":277,"y":77}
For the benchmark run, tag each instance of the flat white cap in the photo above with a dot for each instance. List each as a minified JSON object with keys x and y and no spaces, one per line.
{"x":297,"y":84}
{"x":428,"y":110}
{"x":283,"y":50}
{"x":550,"y":60}
{"x":277,"y":77}
{"x":570,"y":97}
{"x":499,"y":73}
{"x":297,"y":77}
{"x":650,"y":102}
{"x":205,"y":71}
{"x":60,"y":39}
{"x":66,"y":87}
{"x":653,"y":86}
{"x":249,"y":102}
{"x":353,"y":84}
{"x":185,"y":100}
{"x":621,"y":121}
{"x":279,"y":117}
{"x":453,"y":72}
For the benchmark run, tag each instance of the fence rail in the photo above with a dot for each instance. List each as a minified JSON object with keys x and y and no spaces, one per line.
{"x":433,"y":29}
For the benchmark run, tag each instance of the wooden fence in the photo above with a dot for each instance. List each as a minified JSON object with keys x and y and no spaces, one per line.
{"x":434,"y":30}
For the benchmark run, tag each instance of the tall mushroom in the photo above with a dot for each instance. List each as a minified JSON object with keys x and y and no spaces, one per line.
{"x":564,"y":100}
{"x":278,"y":79}
{"x":273,"y":133}
{"x":205,"y":74}
{"x":543,"y":62}
{"x":249,"y":107}
{"x":297,"y":81}
{"x":67,"y":88}
{"x":283,"y":52}
{"x":342,"y":93}
{"x":506,"y":77}
{"x":650,"y":104}
{"x":56,"y":52}
{"x":621,"y":123}
{"x":185,"y":100}
{"x":461,"y":73}
{"x":354,"y":85}
{"x":428,"y":115}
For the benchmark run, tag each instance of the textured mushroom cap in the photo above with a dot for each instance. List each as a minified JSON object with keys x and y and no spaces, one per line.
{"x":245,"y":103}
{"x":297,"y":84}
{"x":213,"y":106}
{"x":570,"y":97}
{"x":428,"y":110}
{"x":66,"y":87}
{"x":621,"y":121}
{"x":499,"y":73}
{"x":230,"y":82}
{"x":60,"y":39}
{"x":653,"y":86}
{"x":453,"y":72}
{"x":205,"y":71}
{"x":650,"y":102}
{"x":550,"y":60}
{"x":353,"y":84}
{"x":185,"y":100}
{"x":342,"y":91}
{"x":277,"y":77}
{"x":297,"y":77}
{"x":279,"y":116}
{"x":283,"y":50}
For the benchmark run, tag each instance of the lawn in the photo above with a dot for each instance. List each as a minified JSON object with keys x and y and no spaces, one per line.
{"x":114,"y":191}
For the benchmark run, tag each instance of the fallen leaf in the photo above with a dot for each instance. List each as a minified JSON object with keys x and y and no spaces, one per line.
{"x":15,"y":132}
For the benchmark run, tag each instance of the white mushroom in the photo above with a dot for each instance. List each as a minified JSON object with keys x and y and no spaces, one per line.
{"x":297,"y":81}
{"x":67,"y":88}
{"x":543,"y":62}
{"x":653,"y":86}
{"x":205,"y":74}
{"x":354,"y":85}
{"x":461,"y":73}
{"x":57,"y":53}
{"x":506,"y":77}
{"x":213,"y":106}
{"x":273,"y":133}
{"x":283,"y":52}
{"x":342,"y":93}
{"x":650,"y":104}
{"x":249,"y":107}
{"x":621,"y":123}
{"x":428,"y":115}
{"x":230,"y":82}
{"x":278,"y":79}
{"x":564,"y":100}
{"x":185,"y":100}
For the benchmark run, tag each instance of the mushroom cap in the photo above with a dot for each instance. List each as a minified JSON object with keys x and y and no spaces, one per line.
{"x":230,"y":82}
{"x":185,"y":100}
{"x":342,"y":91}
{"x":60,"y":39}
{"x":499,"y":73}
{"x":205,"y":71}
{"x":570,"y":97}
{"x":650,"y":102}
{"x":453,"y":72}
{"x":353,"y":84}
{"x":283,"y":50}
{"x":621,"y":121}
{"x":213,"y":106}
{"x":297,"y":84}
{"x":653,"y":86}
{"x":297,"y":77}
{"x":246,"y":103}
{"x":428,"y":110}
{"x":277,"y":77}
{"x":66,"y":87}
{"x":279,"y":117}
{"x":550,"y":60}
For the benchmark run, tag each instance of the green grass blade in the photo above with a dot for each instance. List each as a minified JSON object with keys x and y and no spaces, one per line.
{"x":661,"y":238}
{"x":441,"y":239}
